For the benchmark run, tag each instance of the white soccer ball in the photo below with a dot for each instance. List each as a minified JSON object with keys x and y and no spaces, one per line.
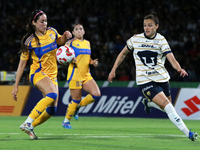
{"x":65,"y":55}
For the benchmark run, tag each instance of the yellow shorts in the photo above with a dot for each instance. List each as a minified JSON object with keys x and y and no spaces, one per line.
{"x":74,"y":84}
{"x":34,"y":78}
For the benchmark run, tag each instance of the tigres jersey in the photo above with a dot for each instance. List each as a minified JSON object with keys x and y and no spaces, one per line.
{"x":43,"y":56}
{"x":150,"y":56}
{"x":80,"y":71}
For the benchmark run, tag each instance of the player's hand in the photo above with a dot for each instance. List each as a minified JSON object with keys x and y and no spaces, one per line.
{"x":183,"y":73}
{"x":111,"y":76}
{"x":14,"y":93}
{"x":95,"y":62}
{"x":68,"y":34}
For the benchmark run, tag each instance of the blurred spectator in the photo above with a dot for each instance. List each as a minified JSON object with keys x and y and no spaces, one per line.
{"x":107,"y":25}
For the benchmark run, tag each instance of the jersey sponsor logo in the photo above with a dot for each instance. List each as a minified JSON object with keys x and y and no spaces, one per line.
{"x":166,"y":48}
{"x":147,"y":46}
{"x":46,"y":49}
{"x":147,"y":88}
{"x":151,"y":72}
{"x":88,"y":51}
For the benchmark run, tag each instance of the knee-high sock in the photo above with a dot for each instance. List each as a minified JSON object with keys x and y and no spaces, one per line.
{"x":44,"y":116}
{"x":88,"y":100}
{"x":174,"y":117}
{"x":152,"y":104}
{"x":71,"y":108}
{"x":42,"y":105}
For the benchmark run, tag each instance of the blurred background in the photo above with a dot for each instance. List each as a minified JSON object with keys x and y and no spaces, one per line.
{"x":108,"y":25}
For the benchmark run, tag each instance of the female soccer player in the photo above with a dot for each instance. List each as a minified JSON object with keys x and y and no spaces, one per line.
{"x":150,"y":49}
{"x":79,"y":76}
{"x":40,"y":42}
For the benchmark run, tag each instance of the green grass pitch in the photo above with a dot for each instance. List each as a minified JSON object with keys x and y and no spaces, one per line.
{"x":98,"y":133}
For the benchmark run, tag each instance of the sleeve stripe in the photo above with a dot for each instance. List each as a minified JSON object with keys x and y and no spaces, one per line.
{"x":128,"y":48}
{"x":167,"y":52}
{"x":30,"y":38}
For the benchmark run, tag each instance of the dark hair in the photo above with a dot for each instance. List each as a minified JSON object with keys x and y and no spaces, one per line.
{"x":153,"y":16}
{"x":30,"y":28}
{"x":73,"y":25}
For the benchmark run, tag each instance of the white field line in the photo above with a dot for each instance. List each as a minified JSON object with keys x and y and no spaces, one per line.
{"x":45,"y":135}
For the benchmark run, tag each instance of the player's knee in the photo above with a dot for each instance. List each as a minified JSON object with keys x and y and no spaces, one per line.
{"x":96,"y":94}
{"x":52,"y":95}
{"x":51,"y":110}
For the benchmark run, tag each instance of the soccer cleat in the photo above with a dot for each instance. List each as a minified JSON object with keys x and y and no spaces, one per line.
{"x":146,"y":107}
{"x":193,"y":135}
{"x":76,"y":113}
{"x":26,"y":128}
{"x":66,"y":125}
{"x":76,"y":116}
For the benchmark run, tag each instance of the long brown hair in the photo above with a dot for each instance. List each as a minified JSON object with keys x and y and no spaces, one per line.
{"x":30,"y":28}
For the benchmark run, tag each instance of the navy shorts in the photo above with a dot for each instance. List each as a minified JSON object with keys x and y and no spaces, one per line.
{"x":151,"y":89}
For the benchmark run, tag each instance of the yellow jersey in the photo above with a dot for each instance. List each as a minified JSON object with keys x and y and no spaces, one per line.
{"x":80,"y":71}
{"x":43,"y":56}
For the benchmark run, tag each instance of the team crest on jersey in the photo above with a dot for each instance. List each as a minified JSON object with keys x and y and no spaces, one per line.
{"x":149,"y":93}
{"x":148,"y":58}
{"x":79,"y":83}
{"x":52,"y":36}
{"x":54,"y":46}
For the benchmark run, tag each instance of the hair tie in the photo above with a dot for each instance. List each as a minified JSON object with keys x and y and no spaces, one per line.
{"x":37,"y":14}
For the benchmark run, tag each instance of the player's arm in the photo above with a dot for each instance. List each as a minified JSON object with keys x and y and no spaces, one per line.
{"x":62,"y":40}
{"x":20,"y":70}
{"x":118,"y":61}
{"x":176,"y":65}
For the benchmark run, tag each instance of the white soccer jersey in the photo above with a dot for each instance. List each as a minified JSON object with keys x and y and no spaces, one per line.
{"x":150,"y":56}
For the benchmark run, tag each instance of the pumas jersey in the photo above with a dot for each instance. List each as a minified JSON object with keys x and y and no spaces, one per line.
{"x":150,"y":56}
{"x":80,"y":71}
{"x":43,"y":56}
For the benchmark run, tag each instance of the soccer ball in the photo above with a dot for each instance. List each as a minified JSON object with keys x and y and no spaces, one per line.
{"x":65,"y":55}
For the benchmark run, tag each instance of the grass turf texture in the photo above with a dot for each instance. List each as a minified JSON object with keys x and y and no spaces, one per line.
{"x":98,"y":133}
